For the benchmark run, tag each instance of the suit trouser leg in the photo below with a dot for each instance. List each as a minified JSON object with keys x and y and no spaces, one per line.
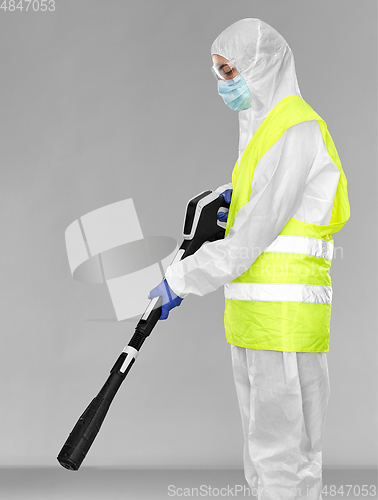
{"x":243,"y":388}
{"x":283,"y":398}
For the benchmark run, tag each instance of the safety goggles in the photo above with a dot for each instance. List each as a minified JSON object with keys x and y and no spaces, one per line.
{"x":224,"y":71}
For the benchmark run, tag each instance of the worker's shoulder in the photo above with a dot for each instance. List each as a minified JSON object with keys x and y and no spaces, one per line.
{"x":308,"y":131}
{"x":305,"y":127}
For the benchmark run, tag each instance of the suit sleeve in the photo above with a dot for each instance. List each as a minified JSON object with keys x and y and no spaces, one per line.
{"x":279,"y":183}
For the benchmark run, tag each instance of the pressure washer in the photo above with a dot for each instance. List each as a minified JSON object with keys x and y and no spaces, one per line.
{"x":201,"y":225}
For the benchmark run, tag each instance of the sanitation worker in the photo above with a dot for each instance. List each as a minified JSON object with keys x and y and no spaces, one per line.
{"x":288,"y":196}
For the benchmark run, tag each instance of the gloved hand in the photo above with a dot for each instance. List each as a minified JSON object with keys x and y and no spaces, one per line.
{"x":222,"y":216}
{"x":170,"y":299}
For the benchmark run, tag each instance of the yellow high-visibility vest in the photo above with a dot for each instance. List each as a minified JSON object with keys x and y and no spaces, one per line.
{"x":283,"y":301}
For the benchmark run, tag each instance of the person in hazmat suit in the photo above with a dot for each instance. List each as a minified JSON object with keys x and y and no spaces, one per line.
{"x":288,"y":195}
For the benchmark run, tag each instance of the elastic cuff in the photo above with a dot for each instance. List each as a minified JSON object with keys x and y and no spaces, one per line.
{"x":182,"y":296}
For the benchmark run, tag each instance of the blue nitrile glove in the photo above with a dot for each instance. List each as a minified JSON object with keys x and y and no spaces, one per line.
{"x":222,"y":216}
{"x":170,"y":299}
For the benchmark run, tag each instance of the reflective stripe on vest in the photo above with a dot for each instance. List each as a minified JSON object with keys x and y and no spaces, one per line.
{"x":303,"y":245}
{"x":278,"y":292}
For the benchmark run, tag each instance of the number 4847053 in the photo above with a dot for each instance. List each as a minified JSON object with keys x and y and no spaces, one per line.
{"x":36,"y":5}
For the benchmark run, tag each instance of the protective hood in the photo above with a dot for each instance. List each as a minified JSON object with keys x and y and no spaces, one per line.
{"x":265,"y":61}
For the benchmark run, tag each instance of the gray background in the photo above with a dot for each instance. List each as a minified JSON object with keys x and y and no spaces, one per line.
{"x":103,"y":101}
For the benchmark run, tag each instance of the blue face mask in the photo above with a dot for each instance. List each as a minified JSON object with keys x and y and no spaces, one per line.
{"x":235,"y":93}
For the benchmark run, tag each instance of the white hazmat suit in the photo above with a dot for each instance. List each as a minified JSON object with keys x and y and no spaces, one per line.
{"x":283,"y":396}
